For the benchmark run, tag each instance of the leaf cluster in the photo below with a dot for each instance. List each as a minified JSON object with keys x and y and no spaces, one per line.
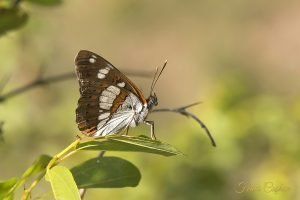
{"x":99,"y":172}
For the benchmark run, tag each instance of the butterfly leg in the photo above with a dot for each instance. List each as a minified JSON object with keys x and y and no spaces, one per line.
{"x":151,"y":123}
{"x":127,"y":130}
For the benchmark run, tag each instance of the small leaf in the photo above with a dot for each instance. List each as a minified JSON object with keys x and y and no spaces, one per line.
{"x":37,"y":166}
{"x":6,"y":187}
{"x":11,"y":19}
{"x":62,"y":183}
{"x":46,"y":2}
{"x":106,"y":172}
{"x":130,"y":143}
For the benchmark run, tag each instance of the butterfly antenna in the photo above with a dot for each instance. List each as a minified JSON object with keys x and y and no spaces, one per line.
{"x":152,"y":84}
{"x":156,"y":77}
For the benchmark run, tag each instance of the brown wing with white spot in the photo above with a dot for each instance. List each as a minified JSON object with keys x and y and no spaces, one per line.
{"x":103,"y":89}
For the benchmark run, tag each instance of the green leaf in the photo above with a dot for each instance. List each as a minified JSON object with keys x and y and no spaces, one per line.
{"x":38,"y":165}
{"x":11,"y":19}
{"x":106,"y":172}
{"x":45,"y":2}
{"x":5,"y":188}
{"x":62,"y":183}
{"x":129,"y":143}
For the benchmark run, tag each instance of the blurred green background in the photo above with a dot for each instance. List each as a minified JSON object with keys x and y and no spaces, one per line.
{"x":240,"y":58}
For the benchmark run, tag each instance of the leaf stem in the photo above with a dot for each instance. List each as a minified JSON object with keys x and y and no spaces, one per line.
{"x":27,"y":192}
{"x":57,"y":157}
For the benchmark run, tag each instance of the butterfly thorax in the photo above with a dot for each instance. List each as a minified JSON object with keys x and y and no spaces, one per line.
{"x":139,"y":116}
{"x":133,"y":105}
{"x":152,"y":101}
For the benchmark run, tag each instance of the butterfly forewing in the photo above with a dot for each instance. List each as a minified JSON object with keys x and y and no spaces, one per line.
{"x":103,"y":90}
{"x":88,"y":65}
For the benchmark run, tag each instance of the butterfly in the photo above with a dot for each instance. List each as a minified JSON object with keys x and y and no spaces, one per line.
{"x":109,"y":101}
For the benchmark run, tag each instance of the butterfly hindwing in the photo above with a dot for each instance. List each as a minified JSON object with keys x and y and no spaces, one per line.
{"x":124,"y":116}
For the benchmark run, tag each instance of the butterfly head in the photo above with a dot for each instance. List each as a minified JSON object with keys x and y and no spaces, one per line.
{"x":152,"y":101}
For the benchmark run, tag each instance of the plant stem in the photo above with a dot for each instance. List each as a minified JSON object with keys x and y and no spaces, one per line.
{"x":52,"y":162}
{"x":27,"y":192}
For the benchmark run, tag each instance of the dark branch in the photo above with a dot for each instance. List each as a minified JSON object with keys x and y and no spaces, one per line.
{"x":39,"y":81}
{"x":182,"y":111}
{"x":36,"y":83}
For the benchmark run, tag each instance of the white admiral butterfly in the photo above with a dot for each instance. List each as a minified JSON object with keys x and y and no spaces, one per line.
{"x":109,"y":102}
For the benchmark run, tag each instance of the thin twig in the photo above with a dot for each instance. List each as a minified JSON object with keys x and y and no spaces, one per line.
{"x":39,"y":81}
{"x":182,"y":111}
{"x":83,"y":190}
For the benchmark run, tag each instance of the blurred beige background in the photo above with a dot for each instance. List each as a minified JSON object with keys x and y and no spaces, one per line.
{"x":241,"y":58}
